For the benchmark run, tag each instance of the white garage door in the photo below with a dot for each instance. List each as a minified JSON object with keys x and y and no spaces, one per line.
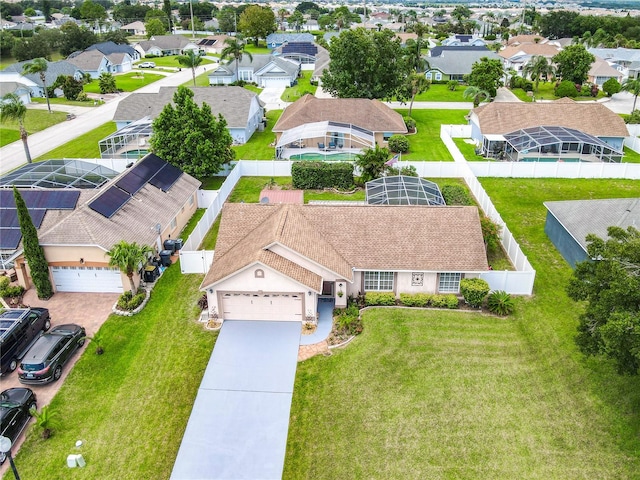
{"x":275,"y":82}
{"x":87,"y":279}
{"x":262,"y":306}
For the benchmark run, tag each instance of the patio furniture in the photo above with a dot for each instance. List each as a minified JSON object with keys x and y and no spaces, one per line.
{"x":321,"y":146}
{"x":332,"y":145}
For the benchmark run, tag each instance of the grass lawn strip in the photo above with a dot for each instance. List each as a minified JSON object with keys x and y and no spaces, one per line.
{"x":8,"y":135}
{"x":130,"y":406}
{"x":126,"y":83}
{"x":85,"y":146}
{"x":258,"y":147}
{"x":303,"y":87}
{"x":36,"y":121}
{"x":426,"y":144}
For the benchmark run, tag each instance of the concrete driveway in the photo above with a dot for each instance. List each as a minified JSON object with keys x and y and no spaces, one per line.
{"x":240,"y":419}
{"x":87,"y":309}
{"x":271,"y":98}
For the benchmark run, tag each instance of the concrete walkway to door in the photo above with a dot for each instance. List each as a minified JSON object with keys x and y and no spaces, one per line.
{"x":240,"y":419}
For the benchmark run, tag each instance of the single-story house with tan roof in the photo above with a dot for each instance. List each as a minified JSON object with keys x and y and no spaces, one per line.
{"x":348,"y":124}
{"x":516,"y":57}
{"x":563,"y":130}
{"x":274,"y":262}
{"x":128,"y":207}
{"x":601,"y":71}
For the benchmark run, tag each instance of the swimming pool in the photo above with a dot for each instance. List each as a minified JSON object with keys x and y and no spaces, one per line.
{"x":319,"y":157}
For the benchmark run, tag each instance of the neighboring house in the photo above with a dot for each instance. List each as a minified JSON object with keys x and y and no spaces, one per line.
{"x":20,"y":89}
{"x":440,"y":50}
{"x":406,"y":36}
{"x":275,"y":40}
{"x":135,"y":28}
{"x":563,"y":130}
{"x":569,"y":222}
{"x":460,"y":40}
{"x":321,"y":64}
{"x":263,"y":70}
{"x":349,"y":123}
{"x":454,"y":65}
{"x":526,"y":39}
{"x":303,"y":53}
{"x":213,"y":43}
{"x":75,"y":239}
{"x":625,"y":60}
{"x":212,"y":25}
{"x":240,"y":107}
{"x":109,"y":48}
{"x":601,"y":71}
{"x":273,"y":262}
{"x":516,"y":57}
{"x":13,"y":73}
{"x":161,"y":45}
{"x":93,"y":62}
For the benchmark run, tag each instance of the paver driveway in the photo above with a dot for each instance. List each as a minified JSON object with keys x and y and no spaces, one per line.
{"x":240,"y":418}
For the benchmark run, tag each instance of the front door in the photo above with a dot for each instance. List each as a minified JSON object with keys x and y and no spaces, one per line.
{"x":327,"y":288}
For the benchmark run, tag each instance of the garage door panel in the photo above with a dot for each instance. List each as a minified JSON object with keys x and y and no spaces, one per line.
{"x":263,"y":306}
{"x":87,"y":279}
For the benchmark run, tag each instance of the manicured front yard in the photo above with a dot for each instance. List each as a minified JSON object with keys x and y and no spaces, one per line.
{"x":440,"y":93}
{"x":303,"y":87}
{"x":34,"y":121}
{"x":169,"y":61}
{"x":129,"y":406}
{"x":459,"y":395}
{"x":85,"y":146}
{"x":546,"y":92}
{"x":126,"y":83}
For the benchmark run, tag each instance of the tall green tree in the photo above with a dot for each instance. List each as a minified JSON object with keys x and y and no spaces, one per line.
{"x":155,"y":26}
{"x":75,"y":38}
{"x":166,"y":8}
{"x":476,"y":95}
{"x":234,"y":49}
{"x":29,"y":48}
{"x":190,"y":137}
{"x":257,"y":22}
{"x":39,"y":66}
{"x":12,"y":108}
{"x":609,"y":283}
{"x":92,"y":11}
{"x":33,"y":252}
{"x":128,"y":258}
{"x":414,"y":84}
{"x":365,"y":64}
{"x":632,"y":85}
{"x":486,"y":74}
{"x":372,"y":163}
{"x":227,"y":19}
{"x":190,"y":60}
{"x":573,"y":63}
{"x":537,"y":68}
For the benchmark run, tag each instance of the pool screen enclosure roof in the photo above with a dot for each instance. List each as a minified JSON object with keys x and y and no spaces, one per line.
{"x":323,"y":129}
{"x":59,"y":174}
{"x":403,"y":190}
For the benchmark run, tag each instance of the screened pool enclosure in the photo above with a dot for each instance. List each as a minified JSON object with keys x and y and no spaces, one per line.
{"x":403,"y":190}
{"x":131,"y":141}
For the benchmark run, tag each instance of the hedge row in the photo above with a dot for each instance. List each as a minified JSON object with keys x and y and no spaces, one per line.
{"x":412,"y":299}
{"x":316,"y":175}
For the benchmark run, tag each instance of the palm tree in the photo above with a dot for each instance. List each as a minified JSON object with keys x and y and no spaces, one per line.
{"x":191,"y":60}
{"x":538,"y":67}
{"x":127,"y":257}
{"x":46,"y":420}
{"x":416,"y":83}
{"x":632,"y":85}
{"x":476,"y":94}
{"x":235,"y":50}
{"x":12,"y":108}
{"x":39,"y":66}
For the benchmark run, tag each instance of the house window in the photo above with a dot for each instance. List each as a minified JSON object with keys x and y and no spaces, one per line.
{"x":429,"y":76}
{"x":449,"y":282}
{"x":173,"y":223}
{"x":386,"y":136}
{"x":378,"y":281}
{"x":438,"y":76}
{"x":259,"y":273}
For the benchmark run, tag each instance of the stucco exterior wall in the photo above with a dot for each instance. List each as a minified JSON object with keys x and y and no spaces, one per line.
{"x":404,"y":282}
{"x":181,"y":217}
{"x":568,"y":247}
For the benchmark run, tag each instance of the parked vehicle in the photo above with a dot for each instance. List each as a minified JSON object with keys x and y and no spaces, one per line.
{"x":44,"y":361}
{"x":147,"y":65}
{"x":15,"y":404}
{"x":19,"y":329}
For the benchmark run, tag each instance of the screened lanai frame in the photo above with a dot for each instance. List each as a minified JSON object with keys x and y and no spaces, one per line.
{"x":131,"y":141}
{"x":546,"y":143}
{"x":403,"y":190}
{"x":68,"y":173}
{"x":342,"y":135}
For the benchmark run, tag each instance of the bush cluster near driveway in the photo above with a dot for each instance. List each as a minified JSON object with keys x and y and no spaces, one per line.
{"x":459,"y":395}
{"x":130,"y":405}
{"x":34,"y":121}
{"x":85,"y":146}
{"x":546,"y":92}
{"x":126,"y":83}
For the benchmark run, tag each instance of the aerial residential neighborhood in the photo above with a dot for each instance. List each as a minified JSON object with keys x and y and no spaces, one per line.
{"x":319,"y":240}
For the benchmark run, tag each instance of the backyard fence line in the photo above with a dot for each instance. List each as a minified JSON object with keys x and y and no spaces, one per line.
{"x":633,"y":143}
{"x":628,"y":171}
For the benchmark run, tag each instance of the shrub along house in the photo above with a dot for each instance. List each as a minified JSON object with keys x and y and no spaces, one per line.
{"x":273,"y":262}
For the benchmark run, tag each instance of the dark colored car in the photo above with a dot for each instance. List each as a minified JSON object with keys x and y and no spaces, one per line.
{"x":44,"y":361}
{"x":19,"y":329}
{"x":15,"y":404}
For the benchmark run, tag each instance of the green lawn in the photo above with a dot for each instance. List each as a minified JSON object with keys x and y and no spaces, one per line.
{"x":258,"y":147}
{"x":212,"y":183}
{"x":426,"y":144}
{"x":261,"y":49}
{"x":630,"y":156}
{"x":85,"y":146}
{"x":209,"y":240}
{"x":255,"y":89}
{"x":303,"y":87}
{"x":191,"y":224}
{"x":131,"y":404}
{"x":34,"y":121}
{"x":202,"y":80}
{"x":468,"y":150}
{"x":169,"y":61}
{"x":441,"y":93}
{"x":127,"y":83}
{"x":64,"y":101}
{"x":545,"y":92}
{"x":458,"y":395}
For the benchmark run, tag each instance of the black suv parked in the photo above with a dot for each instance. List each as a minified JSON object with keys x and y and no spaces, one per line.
{"x":19,"y":328}
{"x":44,"y":361}
{"x":15,"y":404}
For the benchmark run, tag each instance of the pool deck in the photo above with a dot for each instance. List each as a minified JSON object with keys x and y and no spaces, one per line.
{"x":287,"y":153}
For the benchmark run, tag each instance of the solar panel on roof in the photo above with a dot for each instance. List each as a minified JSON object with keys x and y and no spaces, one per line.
{"x":9,"y":218}
{"x":140,"y":174}
{"x":166,"y":177}
{"x":10,"y":238}
{"x":110,"y":201}
{"x":55,"y":200}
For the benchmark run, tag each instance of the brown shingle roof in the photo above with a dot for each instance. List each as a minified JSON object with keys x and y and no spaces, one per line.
{"x":370,"y":114}
{"x":543,"y":49}
{"x":341,"y":238}
{"x":593,"y":118}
